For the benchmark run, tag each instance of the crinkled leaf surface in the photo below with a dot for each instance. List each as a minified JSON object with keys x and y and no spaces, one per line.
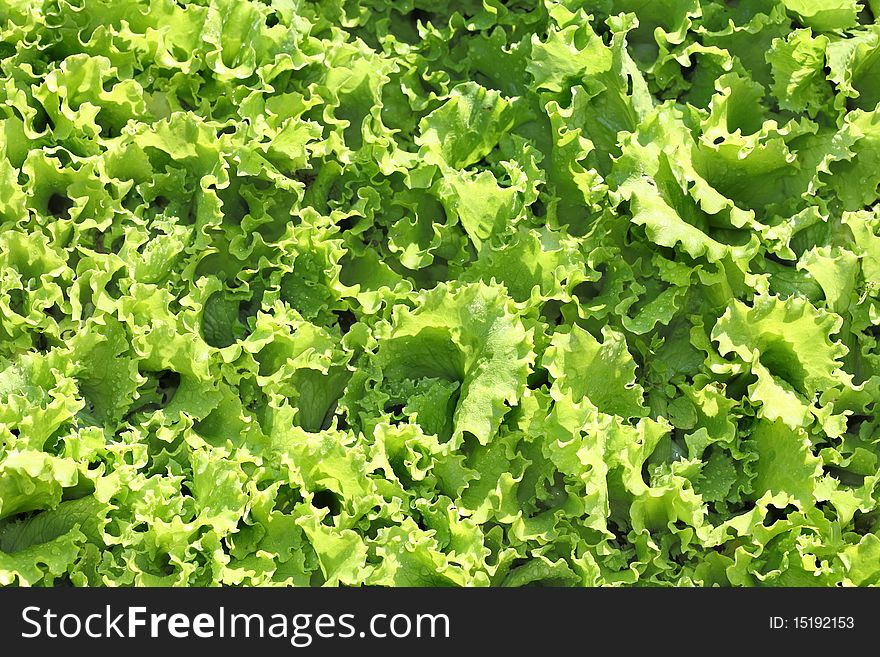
{"x":570,"y":293}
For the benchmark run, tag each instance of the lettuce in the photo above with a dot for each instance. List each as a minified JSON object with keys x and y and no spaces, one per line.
{"x":570,"y":292}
